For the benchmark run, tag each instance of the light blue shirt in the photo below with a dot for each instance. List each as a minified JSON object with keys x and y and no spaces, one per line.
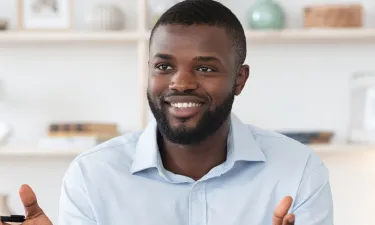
{"x":123,"y":182}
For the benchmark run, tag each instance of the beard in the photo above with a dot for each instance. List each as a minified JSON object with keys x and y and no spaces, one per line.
{"x":208,"y":124}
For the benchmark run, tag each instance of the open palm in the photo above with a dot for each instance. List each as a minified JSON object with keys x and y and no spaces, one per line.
{"x":34,"y":214}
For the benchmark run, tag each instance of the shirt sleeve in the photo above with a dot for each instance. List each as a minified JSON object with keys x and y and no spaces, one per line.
{"x":74,"y":205}
{"x":313,"y":204}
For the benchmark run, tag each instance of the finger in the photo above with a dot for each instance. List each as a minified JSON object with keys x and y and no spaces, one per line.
{"x":281,"y":210}
{"x":1,"y":223}
{"x":29,"y":201}
{"x":288,"y":219}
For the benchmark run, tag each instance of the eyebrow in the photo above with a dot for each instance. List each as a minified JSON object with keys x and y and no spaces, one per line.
{"x":206,"y":58}
{"x":163,"y":56}
{"x":197,"y":58}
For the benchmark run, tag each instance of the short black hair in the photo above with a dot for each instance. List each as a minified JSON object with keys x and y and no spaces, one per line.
{"x":206,"y":12}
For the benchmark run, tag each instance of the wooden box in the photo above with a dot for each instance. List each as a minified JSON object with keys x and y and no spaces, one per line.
{"x":333,"y":16}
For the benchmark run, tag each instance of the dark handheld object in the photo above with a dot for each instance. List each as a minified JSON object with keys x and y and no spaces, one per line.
{"x":314,"y":137}
{"x":13,"y":219}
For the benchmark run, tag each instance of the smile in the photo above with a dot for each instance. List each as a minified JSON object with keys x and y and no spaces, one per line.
{"x":182,"y":105}
{"x":184,"y":109}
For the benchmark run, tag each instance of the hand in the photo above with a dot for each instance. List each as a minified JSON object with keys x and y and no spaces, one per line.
{"x":34,"y":214}
{"x":280,"y":215}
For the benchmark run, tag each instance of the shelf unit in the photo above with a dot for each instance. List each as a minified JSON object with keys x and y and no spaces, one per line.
{"x":318,"y":148}
{"x":39,"y":153}
{"x":313,"y":35}
{"x":70,"y":37}
{"x":140,"y":36}
{"x":341,"y":148}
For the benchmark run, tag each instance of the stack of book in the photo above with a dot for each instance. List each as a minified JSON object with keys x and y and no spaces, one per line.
{"x":77,"y":136}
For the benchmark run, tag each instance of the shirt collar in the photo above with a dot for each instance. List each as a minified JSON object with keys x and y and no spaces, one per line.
{"x":242,"y":146}
{"x":242,"y":143}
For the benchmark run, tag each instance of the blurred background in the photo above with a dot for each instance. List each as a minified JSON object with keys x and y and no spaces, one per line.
{"x":73,"y":74}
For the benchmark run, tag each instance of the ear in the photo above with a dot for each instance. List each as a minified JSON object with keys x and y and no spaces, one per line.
{"x":241,"y":78}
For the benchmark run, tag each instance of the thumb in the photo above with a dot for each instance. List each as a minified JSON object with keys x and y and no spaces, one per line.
{"x":282,"y":209}
{"x":29,"y":202}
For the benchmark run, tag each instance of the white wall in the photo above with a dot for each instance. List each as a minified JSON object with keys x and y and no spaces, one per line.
{"x":293,"y":86}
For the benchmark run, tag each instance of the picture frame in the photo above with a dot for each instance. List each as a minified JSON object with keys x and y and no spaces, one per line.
{"x":45,"y":15}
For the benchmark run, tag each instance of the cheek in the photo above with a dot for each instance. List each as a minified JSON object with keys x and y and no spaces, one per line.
{"x":218,"y":90}
{"x":157,"y":85}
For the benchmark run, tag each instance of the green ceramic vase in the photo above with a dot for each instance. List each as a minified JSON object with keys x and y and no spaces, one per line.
{"x":266,"y":15}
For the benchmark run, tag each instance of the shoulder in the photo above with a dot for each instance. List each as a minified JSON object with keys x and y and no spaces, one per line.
{"x":116,"y":151}
{"x":279,"y":148}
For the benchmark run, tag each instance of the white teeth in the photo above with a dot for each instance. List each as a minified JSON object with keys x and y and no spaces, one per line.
{"x":185,"y":104}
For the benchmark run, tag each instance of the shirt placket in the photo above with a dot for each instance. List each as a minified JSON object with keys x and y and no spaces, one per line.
{"x":198,"y":204}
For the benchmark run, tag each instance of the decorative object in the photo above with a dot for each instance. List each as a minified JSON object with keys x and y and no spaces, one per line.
{"x":45,"y":14}
{"x":157,"y":7}
{"x":3,"y":24}
{"x":73,"y":135}
{"x":266,"y":15}
{"x":106,"y":17}
{"x":337,"y":15}
{"x":4,"y":208}
{"x":310,"y":137}
{"x":362,"y":104}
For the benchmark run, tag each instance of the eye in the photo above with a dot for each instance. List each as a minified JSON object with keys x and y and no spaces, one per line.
{"x":163,"y":67}
{"x":205,"y":69}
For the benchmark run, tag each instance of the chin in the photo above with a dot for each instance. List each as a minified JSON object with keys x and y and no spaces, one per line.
{"x":187,"y":123}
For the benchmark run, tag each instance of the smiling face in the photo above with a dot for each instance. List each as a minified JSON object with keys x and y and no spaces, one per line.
{"x":194,"y":77}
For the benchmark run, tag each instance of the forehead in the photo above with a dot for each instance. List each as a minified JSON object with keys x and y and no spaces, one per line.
{"x":192,"y":40}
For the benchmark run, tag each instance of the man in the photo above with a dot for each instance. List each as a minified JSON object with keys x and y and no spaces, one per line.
{"x":197,"y":163}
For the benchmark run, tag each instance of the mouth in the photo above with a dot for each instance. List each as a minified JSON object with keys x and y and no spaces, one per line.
{"x":184,"y":109}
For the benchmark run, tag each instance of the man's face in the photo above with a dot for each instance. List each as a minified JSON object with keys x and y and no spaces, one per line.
{"x":193,"y":80}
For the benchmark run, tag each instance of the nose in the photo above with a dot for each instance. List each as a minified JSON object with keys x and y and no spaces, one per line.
{"x":183,"y":81}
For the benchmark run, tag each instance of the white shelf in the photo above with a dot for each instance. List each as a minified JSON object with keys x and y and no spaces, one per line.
{"x":341,"y":148}
{"x":313,"y":34}
{"x":319,"y":148}
{"x":56,"y":37}
{"x":39,"y":153}
{"x":294,"y":35}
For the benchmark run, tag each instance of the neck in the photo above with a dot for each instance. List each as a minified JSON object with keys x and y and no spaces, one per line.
{"x":195,"y":161}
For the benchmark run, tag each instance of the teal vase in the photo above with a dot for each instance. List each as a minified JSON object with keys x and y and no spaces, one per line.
{"x":266,"y":15}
